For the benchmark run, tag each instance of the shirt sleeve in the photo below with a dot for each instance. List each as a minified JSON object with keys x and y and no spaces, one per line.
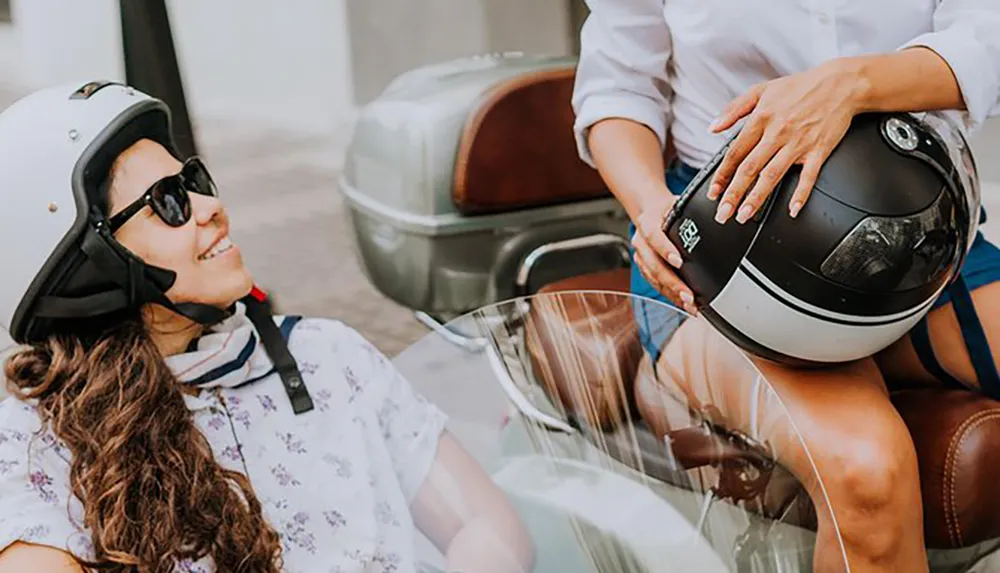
{"x":966,"y":34}
{"x":35,"y":498}
{"x":410,"y":425}
{"x":622,"y":68}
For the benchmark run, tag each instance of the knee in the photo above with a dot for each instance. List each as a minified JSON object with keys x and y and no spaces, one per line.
{"x":874,"y":488}
{"x":877,"y":473}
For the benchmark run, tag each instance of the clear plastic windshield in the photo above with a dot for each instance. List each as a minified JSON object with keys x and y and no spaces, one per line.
{"x":607,"y":451}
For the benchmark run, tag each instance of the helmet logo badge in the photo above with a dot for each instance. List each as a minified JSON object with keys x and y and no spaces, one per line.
{"x":689,"y":234}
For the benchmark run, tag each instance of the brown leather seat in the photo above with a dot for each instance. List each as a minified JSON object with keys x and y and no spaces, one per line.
{"x":955,"y":432}
{"x":515,"y":151}
{"x":605,"y":359}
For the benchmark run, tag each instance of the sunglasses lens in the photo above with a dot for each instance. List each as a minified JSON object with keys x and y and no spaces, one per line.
{"x":198,"y":180}
{"x":171,"y":202}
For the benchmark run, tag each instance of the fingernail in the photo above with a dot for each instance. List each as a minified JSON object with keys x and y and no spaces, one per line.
{"x":714,"y":191}
{"x":687,"y":297}
{"x":714,"y":125}
{"x":723,"y":213}
{"x":796,"y":207}
{"x":675,"y":260}
{"x":744,"y":215}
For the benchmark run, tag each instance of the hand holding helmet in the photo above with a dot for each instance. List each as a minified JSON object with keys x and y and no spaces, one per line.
{"x":655,"y":254}
{"x":797,"y":119}
{"x":892,"y":214}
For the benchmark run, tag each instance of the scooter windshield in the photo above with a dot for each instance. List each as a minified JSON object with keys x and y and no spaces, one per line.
{"x":615,"y":434}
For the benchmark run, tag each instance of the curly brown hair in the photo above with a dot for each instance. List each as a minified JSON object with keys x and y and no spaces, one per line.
{"x":151,"y":489}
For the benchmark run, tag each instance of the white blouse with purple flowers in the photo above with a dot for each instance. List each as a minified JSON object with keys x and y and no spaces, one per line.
{"x":335,"y":482}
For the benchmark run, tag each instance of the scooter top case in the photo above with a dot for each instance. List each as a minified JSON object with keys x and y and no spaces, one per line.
{"x":458,"y":171}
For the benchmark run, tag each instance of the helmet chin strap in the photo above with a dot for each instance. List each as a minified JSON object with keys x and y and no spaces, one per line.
{"x":270,"y":335}
{"x":151,"y":285}
{"x":257,"y":311}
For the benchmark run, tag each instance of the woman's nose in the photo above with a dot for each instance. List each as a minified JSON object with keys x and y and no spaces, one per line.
{"x":205,"y":208}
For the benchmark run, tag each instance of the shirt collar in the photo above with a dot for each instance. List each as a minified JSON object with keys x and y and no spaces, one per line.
{"x":228,"y":355}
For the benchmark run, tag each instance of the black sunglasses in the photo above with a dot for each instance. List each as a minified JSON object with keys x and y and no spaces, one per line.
{"x":168,"y":197}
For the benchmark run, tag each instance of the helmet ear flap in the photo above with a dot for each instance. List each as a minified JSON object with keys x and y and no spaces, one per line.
{"x":144,"y":283}
{"x":103,"y":279}
{"x":91,"y":281}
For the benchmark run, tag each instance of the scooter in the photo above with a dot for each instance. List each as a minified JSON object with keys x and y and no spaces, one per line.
{"x":467,"y":197}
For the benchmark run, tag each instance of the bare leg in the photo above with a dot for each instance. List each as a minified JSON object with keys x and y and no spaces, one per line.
{"x":901,"y":366}
{"x":856,"y":443}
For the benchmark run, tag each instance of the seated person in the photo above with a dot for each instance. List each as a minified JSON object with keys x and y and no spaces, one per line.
{"x":143,"y":439}
{"x":790,"y":79}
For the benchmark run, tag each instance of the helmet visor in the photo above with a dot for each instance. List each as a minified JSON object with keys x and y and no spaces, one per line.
{"x":947,"y":127}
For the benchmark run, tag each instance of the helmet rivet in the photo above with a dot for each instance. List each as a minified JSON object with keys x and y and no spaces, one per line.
{"x":74,"y":134}
{"x":53,"y":207}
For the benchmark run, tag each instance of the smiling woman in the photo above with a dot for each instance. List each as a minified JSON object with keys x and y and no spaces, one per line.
{"x":161,"y":418}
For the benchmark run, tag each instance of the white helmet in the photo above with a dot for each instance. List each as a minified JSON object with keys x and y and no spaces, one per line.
{"x":57,"y":146}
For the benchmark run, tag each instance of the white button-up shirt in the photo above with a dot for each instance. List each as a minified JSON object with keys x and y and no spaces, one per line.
{"x":675,"y":64}
{"x":335,"y":482}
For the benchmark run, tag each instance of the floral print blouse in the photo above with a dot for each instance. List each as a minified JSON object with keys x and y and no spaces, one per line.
{"x":335,"y":482}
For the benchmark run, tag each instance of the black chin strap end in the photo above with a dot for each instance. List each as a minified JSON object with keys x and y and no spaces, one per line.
{"x":295,"y":387}
{"x":284,"y":363}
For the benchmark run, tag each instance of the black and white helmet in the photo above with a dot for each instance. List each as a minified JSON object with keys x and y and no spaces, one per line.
{"x":890,"y":220}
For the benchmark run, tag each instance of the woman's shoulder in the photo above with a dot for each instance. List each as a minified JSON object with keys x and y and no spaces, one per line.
{"x":34,"y":481}
{"x":324,"y":346}
{"x":320,"y":324}
{"x":25,"y":440}
{"x":18,"y":417}
{"x":328,"y":335}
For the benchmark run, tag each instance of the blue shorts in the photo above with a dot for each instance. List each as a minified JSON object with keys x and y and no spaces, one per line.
{"x":982,"y":267}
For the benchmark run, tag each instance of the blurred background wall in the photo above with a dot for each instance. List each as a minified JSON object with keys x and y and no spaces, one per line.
{"x":305,"y":64}
{"x":389,"y":37}
{"x":285,"y":63}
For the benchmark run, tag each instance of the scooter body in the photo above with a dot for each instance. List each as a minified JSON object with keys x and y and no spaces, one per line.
{"x":464,"y":190}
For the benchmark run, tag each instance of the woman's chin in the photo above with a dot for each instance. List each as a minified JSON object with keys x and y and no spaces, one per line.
{"x":239,"y":291}
{"x":226,"y":291}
